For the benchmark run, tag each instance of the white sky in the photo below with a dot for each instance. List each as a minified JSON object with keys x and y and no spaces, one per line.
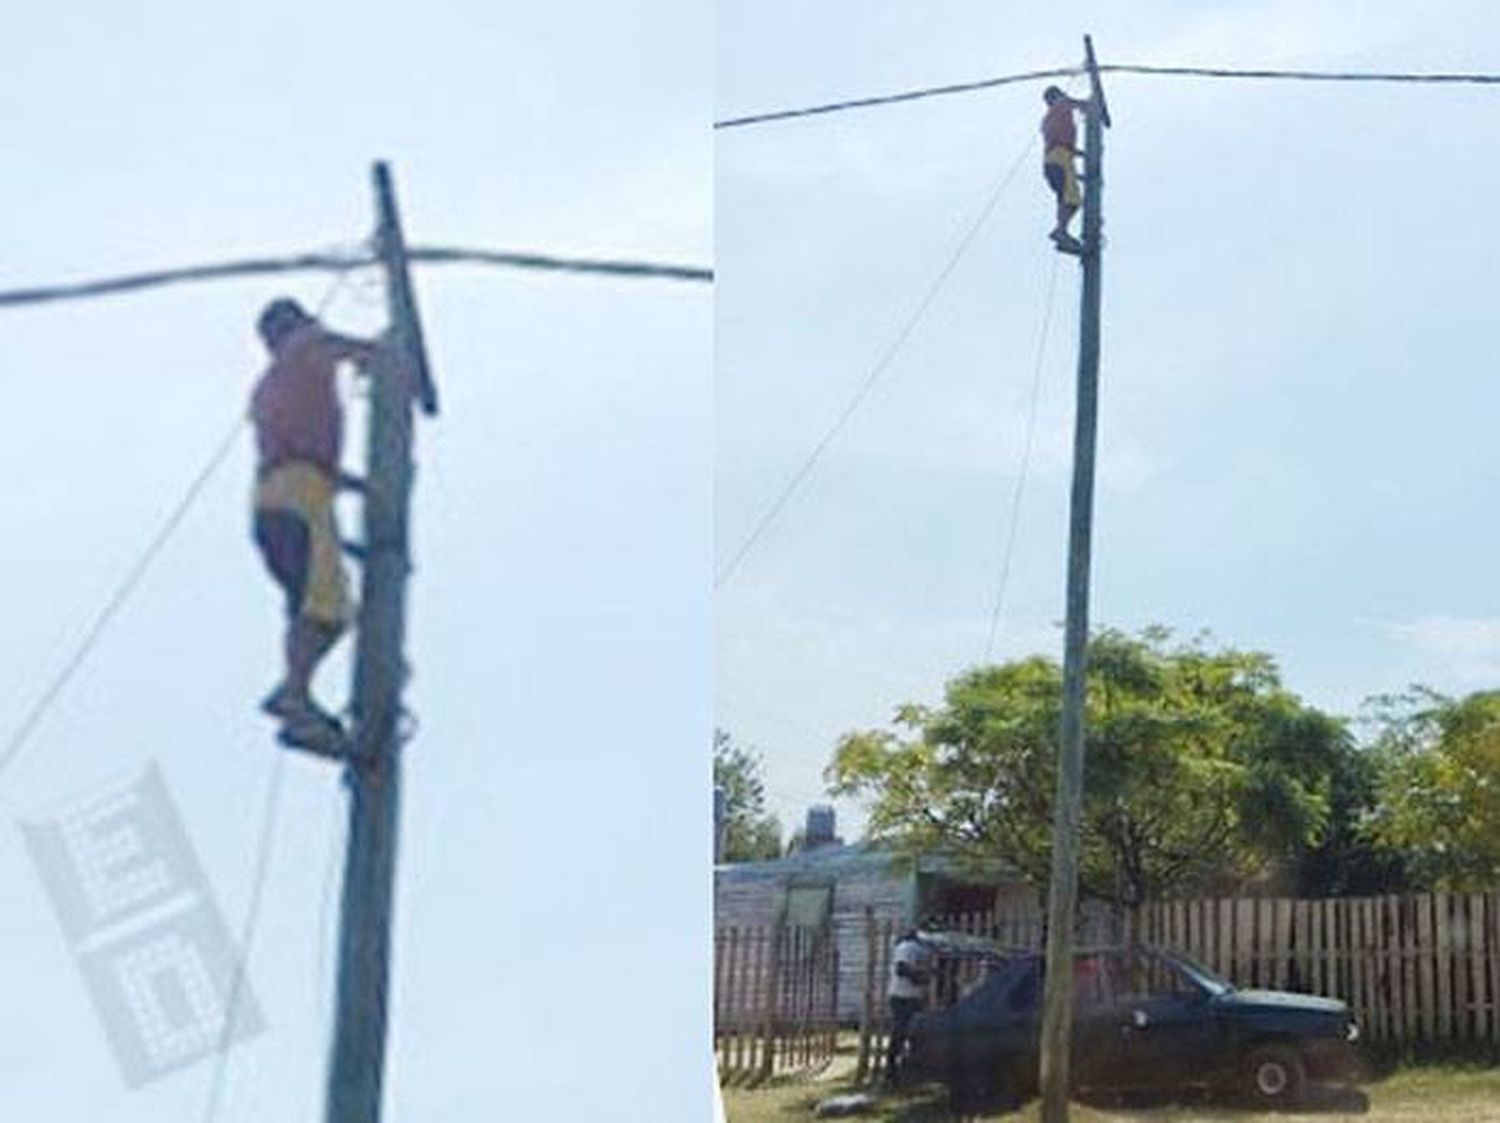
{"x":553,"y":892}
{"x":1298,"y":397}
{"x":1295,"y":437}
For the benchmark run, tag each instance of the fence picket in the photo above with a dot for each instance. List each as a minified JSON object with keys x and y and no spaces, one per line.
{"x":1492,"y":948}
{"x":1479,"y":996}
{"x":1421,"y":968}
{"x":1441,"y":964}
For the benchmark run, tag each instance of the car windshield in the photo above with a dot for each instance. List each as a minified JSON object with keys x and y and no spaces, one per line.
{"x":1202,"y":975}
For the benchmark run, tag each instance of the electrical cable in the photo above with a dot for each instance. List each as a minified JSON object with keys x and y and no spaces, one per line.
{"x":437,"y":255}
{"x":797,"y":477}
{"x":1431,"y":78}
{"x":22,"y":733}
{"x":891,"y":99}
{"x":336,"y":855}
{"x":1111,"y":68}
{"x":251,"y":923}
{"x":1015,"y":502}
{"x":248,"y":929}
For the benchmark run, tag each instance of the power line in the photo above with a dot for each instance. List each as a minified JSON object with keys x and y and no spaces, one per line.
{"x":441,"y":255}
{"x":1449,"y":79}
{"x":891,"y":99}
{"x":297,"y":263}
{"x":117,"y":599}
{"x":248,"y":929}
{"x":1015,"y":502}
{"x":797,"y":477}
{"x":133,"y":578}
{"x":1477,"y":79}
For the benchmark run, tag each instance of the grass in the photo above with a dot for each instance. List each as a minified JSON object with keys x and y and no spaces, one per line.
{"x":1419,"y":1094}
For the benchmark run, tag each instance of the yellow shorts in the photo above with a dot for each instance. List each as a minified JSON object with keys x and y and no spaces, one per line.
{"x":1057,"y":166}
{"x":298,"y":537}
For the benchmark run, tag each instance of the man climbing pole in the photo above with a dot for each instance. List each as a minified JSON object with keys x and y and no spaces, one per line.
{"x":299,"y":429}
{"x":1059,"y":150}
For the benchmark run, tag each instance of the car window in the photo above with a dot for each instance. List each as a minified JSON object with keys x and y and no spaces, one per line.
{"x":1091,"y":985}
{"x":1092,"y":981}
{"x":1143,"y":975}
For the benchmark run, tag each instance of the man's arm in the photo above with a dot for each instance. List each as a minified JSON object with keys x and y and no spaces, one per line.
{"x":913,"y":969}
{"x":361,"y":351}
{"x":911,"y":974}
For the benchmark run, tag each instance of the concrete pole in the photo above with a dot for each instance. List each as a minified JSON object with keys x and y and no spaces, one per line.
{"x":374,"y":774}
{"x":1057,"y":1012}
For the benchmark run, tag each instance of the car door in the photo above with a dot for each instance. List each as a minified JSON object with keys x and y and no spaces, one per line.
{"x":1165,"y":1032}
{"x":1005,"y":1041}
{"x":1096,"y":1024}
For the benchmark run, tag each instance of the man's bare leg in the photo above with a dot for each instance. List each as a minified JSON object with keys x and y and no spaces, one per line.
{"x":305,"y":645}
{"x":1065,"y":213}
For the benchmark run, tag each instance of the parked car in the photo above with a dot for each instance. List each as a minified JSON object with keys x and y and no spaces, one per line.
{"x":1144,"y":1019}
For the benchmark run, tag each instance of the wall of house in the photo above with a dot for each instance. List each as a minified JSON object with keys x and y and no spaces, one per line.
{"x":888,"y":896}
{"x":755,"y":899}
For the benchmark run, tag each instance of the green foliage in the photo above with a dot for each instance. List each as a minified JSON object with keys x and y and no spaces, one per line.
{"x":1201,"y":770}
{"x":750,"y":835}
{"x":1439,"y":761}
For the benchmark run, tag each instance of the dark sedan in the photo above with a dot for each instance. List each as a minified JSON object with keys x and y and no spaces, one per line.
{"x":1143,"y":1019}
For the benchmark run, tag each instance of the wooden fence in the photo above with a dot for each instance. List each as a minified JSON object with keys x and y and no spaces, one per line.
{"x":1418,"y":971}
{"x":775,"y":1001}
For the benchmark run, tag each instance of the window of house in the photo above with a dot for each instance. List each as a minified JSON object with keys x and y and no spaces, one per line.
{"x":808,"y":906}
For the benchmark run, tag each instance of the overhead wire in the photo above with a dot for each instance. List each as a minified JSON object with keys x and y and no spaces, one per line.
{"x":337,"y":846}
{"x":116,"y":601}
{"x":95,"y":631}
{"x":340,"y":264}
{"x":133,"y":577}
{"x":251,"y":923}
{"x":892,"y":99}
{"x":769,"y":515}
{"x":1026,"y":447}
{"x":248,"y":928}
{"x":1431,"y":78}
{"x":1435,"y":78}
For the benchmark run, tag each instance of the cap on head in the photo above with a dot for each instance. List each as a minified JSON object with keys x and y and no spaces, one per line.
{"x":279,"y":319}
{"x":1052,"y":95}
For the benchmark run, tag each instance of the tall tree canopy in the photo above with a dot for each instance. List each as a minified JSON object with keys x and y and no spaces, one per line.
{"x":1201,"y":768}
{"x":750,"y":834}
{"x":1440,"y":787}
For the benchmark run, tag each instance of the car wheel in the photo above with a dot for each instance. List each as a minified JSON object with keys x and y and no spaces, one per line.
{"x":1274,"y":1076}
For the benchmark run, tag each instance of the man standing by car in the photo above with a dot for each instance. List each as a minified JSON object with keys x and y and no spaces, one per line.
{"x":906,"y":992}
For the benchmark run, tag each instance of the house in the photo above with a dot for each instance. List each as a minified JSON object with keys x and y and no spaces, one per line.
{"x":828,"y":883}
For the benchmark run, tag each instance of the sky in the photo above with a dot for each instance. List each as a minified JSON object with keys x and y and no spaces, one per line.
{"x":553,"y":891}
{"x":1297,"y":391}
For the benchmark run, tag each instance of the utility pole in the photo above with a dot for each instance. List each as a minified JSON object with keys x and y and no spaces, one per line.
{"x":1057,"y":1012}
{"x":398,"y":375}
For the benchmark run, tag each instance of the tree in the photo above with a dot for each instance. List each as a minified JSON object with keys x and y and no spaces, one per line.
{"x":1439,"y":781}
{"x":750,"y":834}
{"x":1350,"y":860}
{"x":1202,"y":770}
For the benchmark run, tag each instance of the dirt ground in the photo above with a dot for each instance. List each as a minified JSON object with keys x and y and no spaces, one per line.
{"x":1436,"y":1094}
